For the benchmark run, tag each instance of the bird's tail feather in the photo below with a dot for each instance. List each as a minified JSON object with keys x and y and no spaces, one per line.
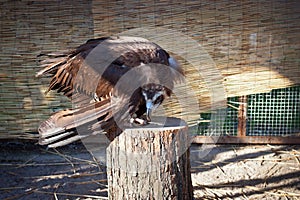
{"x":52,"y":67}
{"x":60,"y":128}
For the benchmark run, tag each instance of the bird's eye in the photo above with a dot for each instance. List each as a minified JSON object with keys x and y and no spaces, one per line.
{"x":157,"y":96}
{"x":158,"y":100}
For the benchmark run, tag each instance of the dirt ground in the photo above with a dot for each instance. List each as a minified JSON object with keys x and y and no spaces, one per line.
{"x":30,"y":171}
{"x":246,"y":172}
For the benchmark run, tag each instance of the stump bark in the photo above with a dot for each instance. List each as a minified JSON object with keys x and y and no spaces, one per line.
{"x":151,"y":162}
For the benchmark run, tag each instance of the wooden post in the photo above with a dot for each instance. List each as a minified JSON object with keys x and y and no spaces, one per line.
{"x":150,"y":162}
{"x":242,"y":117}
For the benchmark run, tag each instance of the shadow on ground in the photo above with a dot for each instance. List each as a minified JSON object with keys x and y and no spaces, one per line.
{"x":30,"y":171}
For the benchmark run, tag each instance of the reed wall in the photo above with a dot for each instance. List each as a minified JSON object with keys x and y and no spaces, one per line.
{"x":254,"y":45}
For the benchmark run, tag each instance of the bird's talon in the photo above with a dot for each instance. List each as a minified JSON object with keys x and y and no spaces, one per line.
{"x":138,"y":121}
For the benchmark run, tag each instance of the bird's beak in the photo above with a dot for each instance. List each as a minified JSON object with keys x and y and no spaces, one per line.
{"x":149,"y":106}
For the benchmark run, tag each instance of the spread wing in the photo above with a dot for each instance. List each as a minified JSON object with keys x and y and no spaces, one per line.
{"x":90,"y":73}
{"x":71,"y":75}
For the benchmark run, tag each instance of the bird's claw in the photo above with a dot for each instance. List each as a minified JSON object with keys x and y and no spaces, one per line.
{"x":138,"y":121}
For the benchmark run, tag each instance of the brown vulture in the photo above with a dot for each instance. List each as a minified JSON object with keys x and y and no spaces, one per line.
{"x":112,"y":82}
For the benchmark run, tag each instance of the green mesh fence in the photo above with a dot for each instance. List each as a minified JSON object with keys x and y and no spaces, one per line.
{"x":268,"y":114}
{"x":276,"y":113}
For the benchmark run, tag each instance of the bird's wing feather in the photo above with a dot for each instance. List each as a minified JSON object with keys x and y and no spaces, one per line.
{"x":70,"y":75}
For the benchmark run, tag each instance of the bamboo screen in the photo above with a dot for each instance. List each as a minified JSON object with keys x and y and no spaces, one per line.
{"x":254,"y":44}
{"x":29,"y":29}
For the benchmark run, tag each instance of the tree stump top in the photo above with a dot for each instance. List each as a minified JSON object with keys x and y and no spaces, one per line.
{"x":161,"y":123}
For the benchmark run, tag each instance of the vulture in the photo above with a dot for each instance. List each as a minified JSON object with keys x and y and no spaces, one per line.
{"x":112,"y":82}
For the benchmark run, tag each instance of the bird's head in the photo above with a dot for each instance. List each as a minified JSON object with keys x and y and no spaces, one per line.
{"x":154,"y":94}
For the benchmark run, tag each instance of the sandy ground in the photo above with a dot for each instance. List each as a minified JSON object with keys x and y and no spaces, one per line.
{"x":246,"y":172}
{"x":30,"y":171}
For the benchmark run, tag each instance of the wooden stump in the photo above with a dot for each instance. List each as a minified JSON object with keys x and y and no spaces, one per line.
{"x":151,"y":162}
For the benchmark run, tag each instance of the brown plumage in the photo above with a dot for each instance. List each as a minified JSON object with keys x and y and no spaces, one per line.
{"x":111,"y":82}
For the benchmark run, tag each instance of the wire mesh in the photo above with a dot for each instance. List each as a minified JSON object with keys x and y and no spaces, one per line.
{"x":229,"y":118}
{"x":274,"y":114}
{"x":268,"y":114}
